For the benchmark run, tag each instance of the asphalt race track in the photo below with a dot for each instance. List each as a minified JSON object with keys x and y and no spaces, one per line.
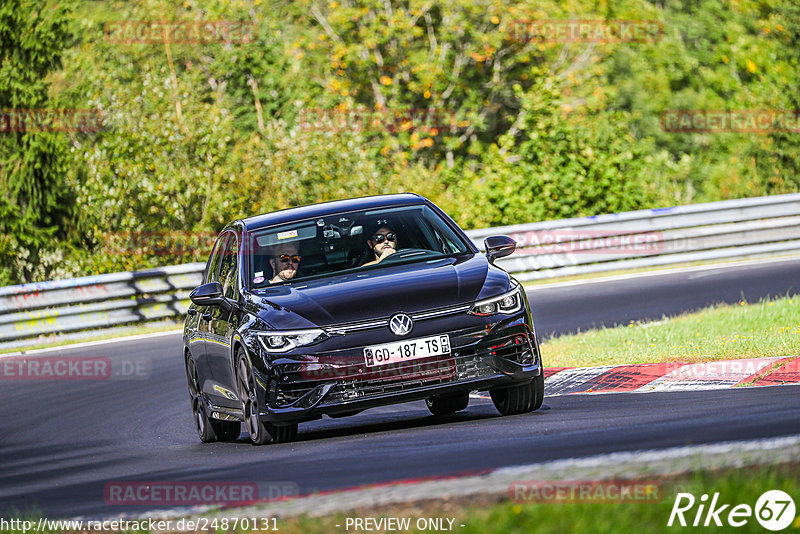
{"x":62,"y":441}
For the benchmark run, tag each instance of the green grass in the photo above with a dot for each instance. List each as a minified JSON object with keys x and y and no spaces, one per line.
{"x":724,"y":332}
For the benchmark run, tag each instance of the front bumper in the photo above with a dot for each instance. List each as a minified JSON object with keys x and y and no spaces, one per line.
{"x":479,"y":360}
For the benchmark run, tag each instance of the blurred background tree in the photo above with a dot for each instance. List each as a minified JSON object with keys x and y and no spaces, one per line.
{"x":37,"y":202}
{"x":333,"y":99}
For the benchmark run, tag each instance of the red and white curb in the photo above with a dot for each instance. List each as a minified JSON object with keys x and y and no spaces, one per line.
{"x":647,"y":377}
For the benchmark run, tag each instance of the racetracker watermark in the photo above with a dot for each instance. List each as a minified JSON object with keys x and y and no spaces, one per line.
{"x":587,"y":31}
{"x":427,"y":121}
{"x":733,"y":121}
{"x":72,"y":368}
{"x":166,"y":243}
{"x":182,"y":493}
{"x":568,"y":240}
{"x":50,"y":120}
{"x":104,"y":526}
{"x":180,"y":32}
{"x":411,"y":370}
{"x":562,"y":491}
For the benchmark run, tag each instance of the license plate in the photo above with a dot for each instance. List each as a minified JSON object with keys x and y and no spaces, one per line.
{"x":411,"y":349}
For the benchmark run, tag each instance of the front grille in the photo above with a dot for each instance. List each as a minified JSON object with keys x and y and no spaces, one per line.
{"x":428,"y":373}
{"x":359,"y":381}
{"x":384,"y":322}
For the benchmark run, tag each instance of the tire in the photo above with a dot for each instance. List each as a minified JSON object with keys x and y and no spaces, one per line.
{"x":447,"y":404}
{"x":281,"y":433}
{"x":538,"y":397}
{"x":226,"y":430}
{"x":203,"y":425}
{"x":260,"y":432}
{"x":519,"y":399}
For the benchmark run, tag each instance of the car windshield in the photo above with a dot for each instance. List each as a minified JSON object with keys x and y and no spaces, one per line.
{"x":348,"y":241}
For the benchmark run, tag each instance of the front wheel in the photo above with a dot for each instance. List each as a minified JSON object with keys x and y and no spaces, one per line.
{"x":519,"y":399}
{"x":260,"y":433}
{"x":202,"y":423}
{"x":226,"y":430}
{"x":208,"y":429}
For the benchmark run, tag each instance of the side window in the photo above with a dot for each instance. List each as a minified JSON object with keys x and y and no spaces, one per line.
{"x":228,"y":269}
{"x":212,"y":268}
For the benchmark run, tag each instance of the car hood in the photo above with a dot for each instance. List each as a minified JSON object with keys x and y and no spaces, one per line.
{"x":377,"y":293}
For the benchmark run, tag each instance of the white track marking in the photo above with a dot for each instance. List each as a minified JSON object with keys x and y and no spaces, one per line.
{"x":91,"y":343}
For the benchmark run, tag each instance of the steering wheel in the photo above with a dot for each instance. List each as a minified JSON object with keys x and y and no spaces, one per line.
{"x":406,"y":253}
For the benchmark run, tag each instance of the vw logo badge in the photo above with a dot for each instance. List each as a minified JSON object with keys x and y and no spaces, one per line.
{"x":401,"y":324}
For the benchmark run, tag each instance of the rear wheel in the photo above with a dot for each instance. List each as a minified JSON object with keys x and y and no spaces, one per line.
{"x":519,"y":399}
{"x":260,"y":433}
{"x":447,"y":404}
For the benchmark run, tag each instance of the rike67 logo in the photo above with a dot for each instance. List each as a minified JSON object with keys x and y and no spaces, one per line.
{"x":774,"y":510}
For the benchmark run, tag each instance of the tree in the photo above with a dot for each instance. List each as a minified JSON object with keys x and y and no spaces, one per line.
{"x":563,"y":163}
{"x":776,"y":159}
{"x":36,"y":203}
{"x":434,"y":78}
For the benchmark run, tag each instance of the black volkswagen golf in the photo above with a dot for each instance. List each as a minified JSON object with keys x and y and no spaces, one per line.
{"x":334,"y":308}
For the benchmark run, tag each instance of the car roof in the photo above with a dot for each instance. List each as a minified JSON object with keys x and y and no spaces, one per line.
{"x":329,"y":208}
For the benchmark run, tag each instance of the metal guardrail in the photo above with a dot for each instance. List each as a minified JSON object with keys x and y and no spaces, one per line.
{"x":731,"y":229}
{"x":63,"y":306}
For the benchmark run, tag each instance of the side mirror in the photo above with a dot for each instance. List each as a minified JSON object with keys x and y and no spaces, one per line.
{"x":499,"y":246}
{"x":209,"y":294}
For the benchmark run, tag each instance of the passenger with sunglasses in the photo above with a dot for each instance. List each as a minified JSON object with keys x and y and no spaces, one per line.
{"x":383,"y":243}
{"x":284,"y":262}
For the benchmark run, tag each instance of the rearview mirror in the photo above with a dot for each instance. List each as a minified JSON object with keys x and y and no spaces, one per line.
{"x":499,"y":246}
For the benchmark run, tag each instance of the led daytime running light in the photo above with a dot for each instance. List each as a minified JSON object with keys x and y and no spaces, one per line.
{"x":506,"y":303}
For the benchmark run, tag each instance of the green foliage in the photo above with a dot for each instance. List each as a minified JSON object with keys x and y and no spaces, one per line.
{"x":354,"y":97}
{"x":714,"y":55}
{"x":775,"y":159}
{"x":560,"y":165}
{"x":451,"y":64}
{"x":36,"y":203}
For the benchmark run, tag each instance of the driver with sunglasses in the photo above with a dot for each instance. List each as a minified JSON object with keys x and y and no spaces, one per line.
{"x":383,"y":243}
{"x":284,"y":262}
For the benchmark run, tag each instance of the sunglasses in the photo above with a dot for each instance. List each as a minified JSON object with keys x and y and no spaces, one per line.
{"x":380,"y":238}
{"x":286,"y":258}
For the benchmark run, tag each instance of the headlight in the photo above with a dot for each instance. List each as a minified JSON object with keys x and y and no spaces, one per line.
{"x":286,"y":340}
{"x":510,"y":302}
